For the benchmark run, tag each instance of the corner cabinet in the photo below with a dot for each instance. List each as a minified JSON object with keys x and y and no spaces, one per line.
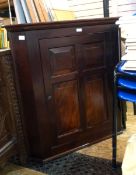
{"x":64,"y":80}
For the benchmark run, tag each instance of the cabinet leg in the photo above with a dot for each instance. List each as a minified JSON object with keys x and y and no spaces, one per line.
{"x":134,"y":107}
{"x":114,"y":127}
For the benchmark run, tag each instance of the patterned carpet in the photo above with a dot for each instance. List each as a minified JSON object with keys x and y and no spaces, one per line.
{"x":76,"y":164}
{"x":92,"y":160}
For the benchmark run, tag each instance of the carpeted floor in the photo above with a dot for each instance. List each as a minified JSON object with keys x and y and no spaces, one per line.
{"x":76,"y":164}
{"x":92,"y":160}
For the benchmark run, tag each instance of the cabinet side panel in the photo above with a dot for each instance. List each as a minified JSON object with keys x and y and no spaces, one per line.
{"x":24,"y":87}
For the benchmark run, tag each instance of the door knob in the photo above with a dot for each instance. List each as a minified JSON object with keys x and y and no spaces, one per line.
{"x":49,"y":97}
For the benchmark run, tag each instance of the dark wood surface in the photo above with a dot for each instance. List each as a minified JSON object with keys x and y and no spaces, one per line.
{"x":64,"y":24}
{"x":7,"y":130}
{"x":11,"y":135}
{"x":65,"y":82}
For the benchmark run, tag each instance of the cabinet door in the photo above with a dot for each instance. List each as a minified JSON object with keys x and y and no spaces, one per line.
{"x":60,"y":68}
{"x":96,"y":77}
{"x":73,"y":82}
{"x":77,"y":78}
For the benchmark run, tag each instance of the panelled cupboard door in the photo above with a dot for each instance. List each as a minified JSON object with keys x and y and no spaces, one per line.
{"x":75,"y":74}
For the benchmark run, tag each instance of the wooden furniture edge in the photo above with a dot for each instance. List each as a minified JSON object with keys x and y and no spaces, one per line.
{"x":73,"y":23}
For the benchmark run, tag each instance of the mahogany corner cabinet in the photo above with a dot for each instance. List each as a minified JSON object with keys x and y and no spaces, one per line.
{"x":64,"y":81}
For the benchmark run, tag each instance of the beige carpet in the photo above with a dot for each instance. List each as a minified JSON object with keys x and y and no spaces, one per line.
{"x":11,"y":169}
{"x":100,"y":150}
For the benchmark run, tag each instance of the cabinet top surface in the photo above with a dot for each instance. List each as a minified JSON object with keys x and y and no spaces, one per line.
{"x":58,"y":24}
